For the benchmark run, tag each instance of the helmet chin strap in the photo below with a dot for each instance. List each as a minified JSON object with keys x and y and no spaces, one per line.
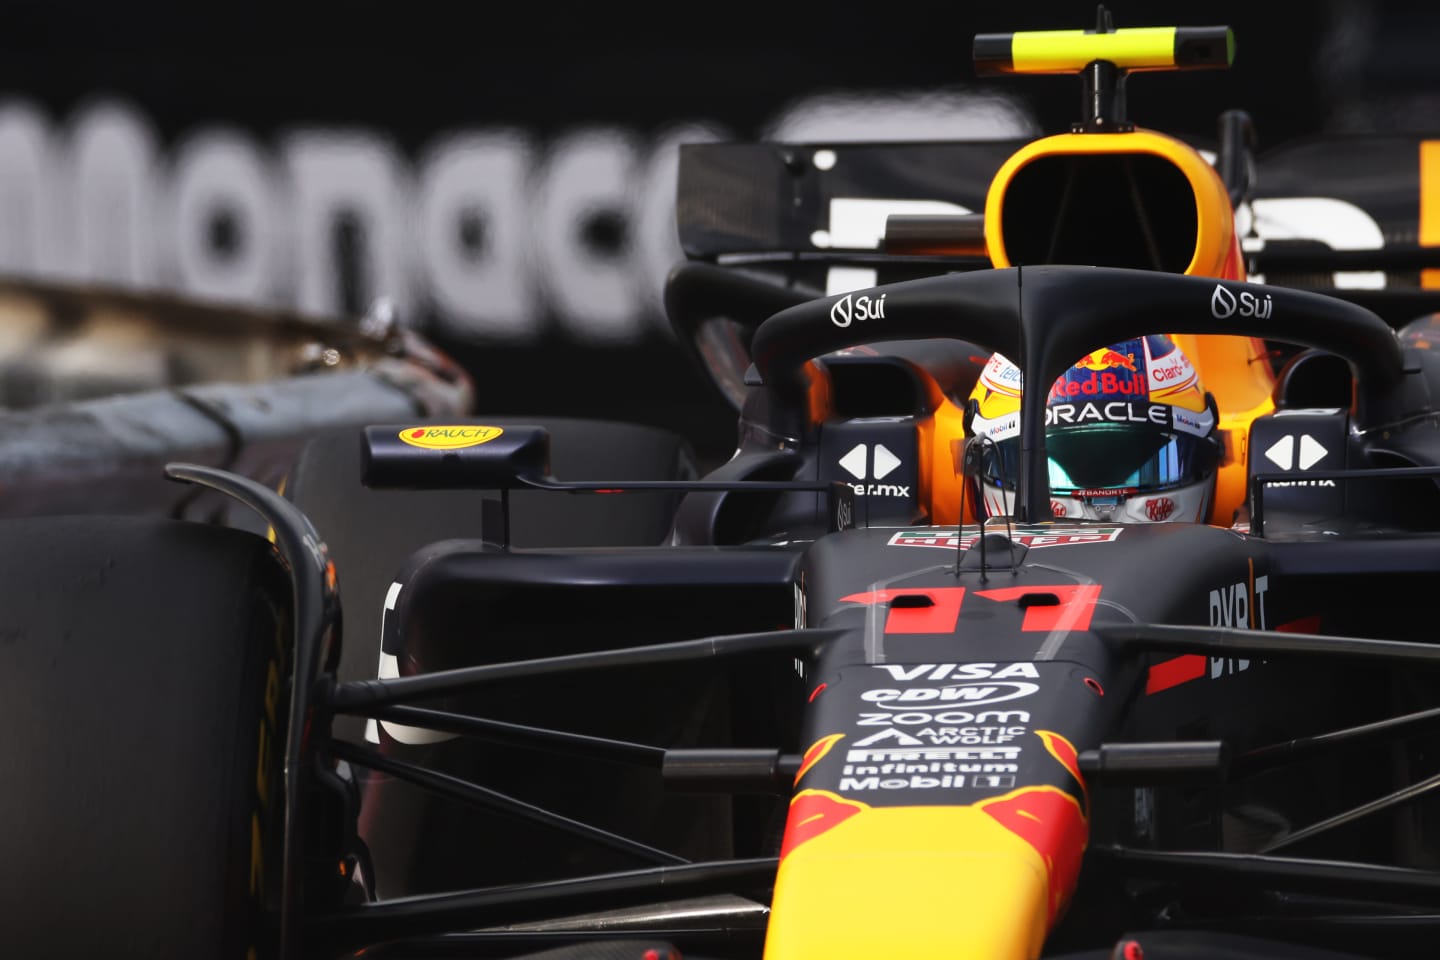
{"x":1105,"y":511}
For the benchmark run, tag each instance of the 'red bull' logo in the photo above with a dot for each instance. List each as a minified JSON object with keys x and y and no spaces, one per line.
{"x":1104,"y":383}
{"x":1106,"y":359}
{"x":816,"y":753}
{"x":1053,"y":821}
{"x":812,"y":812}
{"x":1064,"y":751}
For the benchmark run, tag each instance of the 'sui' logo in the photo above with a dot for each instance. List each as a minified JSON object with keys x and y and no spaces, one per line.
{"x":850,"y":308}
{"x":1224,"y":304}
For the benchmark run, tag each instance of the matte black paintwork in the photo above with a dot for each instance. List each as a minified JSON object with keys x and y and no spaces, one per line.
{"x":1081,"y":685}
{"x":1078,"y":686}
{"x":1043,"y":317}
{"x":450,"y":591}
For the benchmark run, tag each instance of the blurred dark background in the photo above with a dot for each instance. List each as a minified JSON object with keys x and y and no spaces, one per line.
{"x":505,"y":173}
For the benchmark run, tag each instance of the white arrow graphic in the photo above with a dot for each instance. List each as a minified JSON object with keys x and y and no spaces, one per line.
{"x":903,"y":739}
{"x":885,"y":461}
{"x":1310,"y":451}
{"x":1282,"y":452}
{"x":854,"y":461}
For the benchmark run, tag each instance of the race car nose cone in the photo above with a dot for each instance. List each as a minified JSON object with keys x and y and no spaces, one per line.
{"x":897,"y":881}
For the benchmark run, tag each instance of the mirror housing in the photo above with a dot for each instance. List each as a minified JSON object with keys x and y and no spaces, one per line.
{"x":456,"y":457}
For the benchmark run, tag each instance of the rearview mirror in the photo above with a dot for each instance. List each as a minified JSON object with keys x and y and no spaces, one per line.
{"x":456,"y":456}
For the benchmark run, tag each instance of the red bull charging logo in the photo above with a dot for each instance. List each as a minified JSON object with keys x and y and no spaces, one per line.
{"x":1107,"y":383}
{"x":812,"y":812}
{"x":1052,"y":820}
{"x":1106,"y":359}
{"x":816,"y":753}
{"x":1101,"y":373}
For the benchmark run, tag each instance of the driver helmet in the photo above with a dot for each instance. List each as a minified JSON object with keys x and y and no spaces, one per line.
{"x":1129,"y":433}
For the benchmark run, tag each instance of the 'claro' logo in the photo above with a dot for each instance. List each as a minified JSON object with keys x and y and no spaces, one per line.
{"x":1225,"y":304}
{"x":449,"y":438}
{"x":844,"y":311}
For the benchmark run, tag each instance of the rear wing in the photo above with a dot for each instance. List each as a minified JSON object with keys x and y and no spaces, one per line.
{"x":823,"y":200}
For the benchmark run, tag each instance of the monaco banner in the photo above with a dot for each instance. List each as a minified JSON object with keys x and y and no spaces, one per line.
{"x":490,"y":233}
{"x":511,"y":192}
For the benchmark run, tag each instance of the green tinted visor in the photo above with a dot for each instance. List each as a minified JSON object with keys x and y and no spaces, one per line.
{"x":1108,"y":458}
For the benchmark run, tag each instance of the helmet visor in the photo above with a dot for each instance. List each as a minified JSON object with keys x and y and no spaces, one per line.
{"x":1108,"y":458}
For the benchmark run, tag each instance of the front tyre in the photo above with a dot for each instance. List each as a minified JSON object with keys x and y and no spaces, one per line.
{"x":143,"y":696}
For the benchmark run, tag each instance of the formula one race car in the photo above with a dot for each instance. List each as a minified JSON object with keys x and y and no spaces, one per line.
{"x":1067,"y":595}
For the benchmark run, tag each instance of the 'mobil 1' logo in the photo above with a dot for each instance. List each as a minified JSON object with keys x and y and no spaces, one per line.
{"x":1224,"y":304}
{"x":450,"y":437}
